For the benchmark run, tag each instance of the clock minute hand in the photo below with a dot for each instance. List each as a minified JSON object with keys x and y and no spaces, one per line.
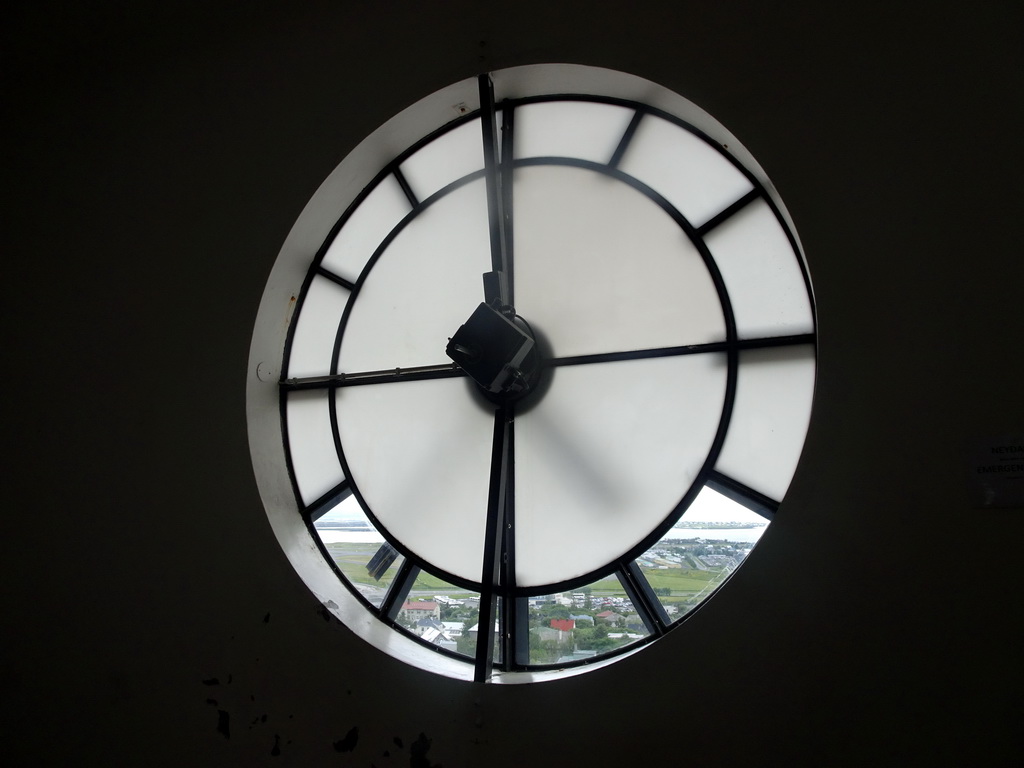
{"x":497,"y":290}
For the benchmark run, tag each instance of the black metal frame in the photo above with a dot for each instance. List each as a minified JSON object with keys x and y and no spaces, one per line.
{"x":498,"y":573}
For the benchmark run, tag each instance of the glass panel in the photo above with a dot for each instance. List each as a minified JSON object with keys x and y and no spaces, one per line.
{"x":761,"y":273}
{"x":606,"y":455}
{"x":311,"y":442}
{"x":470,"y":645}
{"x":770,"y":417}
{"x":707,"y":544}
{"x":420,"y":454}
{"x":313,"y":342}
{"x":447,"y":158}
{"x":425,"y":285}
{"x":442,"y":614}
{"x":570,"y":129}
{"x":356,"y":546}
{"x":368,"y":225}
{"x":599,"y":267}
{"x":683,"y":168}
{"x":582,"y":623}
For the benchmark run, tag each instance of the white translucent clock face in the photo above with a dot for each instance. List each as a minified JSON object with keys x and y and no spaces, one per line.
{"x":673,"y":308}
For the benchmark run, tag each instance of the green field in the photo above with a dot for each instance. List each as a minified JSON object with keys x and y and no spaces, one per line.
{"x":679,"y":580}
{"x":427,"y":582}
{"x":353,"y":557}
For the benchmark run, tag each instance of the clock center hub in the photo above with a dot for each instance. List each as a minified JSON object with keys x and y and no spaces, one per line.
{"x":499,"y":351}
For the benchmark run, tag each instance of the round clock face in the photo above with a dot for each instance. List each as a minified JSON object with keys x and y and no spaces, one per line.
{"x":547,"y":374}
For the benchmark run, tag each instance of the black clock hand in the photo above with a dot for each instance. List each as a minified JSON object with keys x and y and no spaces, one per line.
{"x":490,"y":347}
{"x":497,"y":286}
{"x":356,"y":378}
{"x":497,"y":536}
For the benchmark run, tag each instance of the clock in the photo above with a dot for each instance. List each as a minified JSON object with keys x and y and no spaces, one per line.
{"x":544,"y":375}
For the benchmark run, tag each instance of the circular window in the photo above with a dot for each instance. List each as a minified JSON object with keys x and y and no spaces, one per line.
{"x":532,"y":373}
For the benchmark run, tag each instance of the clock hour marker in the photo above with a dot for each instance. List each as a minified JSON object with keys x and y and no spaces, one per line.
{"x":741,"y":494}
{"x":328,"y":501}
{"x":404,"y":184}
{"x":335,"y":278}
{"x":722,"y":215}
{"x":627,"y":137}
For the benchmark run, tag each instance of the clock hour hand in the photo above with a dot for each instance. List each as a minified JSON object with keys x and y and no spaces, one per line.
{"x":497,"y":290}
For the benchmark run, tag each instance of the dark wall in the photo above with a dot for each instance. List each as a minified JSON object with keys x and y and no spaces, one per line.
{"x":154,"y":162}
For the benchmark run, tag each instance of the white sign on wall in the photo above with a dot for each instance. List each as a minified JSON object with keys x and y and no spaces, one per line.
{"x":996,"y":472}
